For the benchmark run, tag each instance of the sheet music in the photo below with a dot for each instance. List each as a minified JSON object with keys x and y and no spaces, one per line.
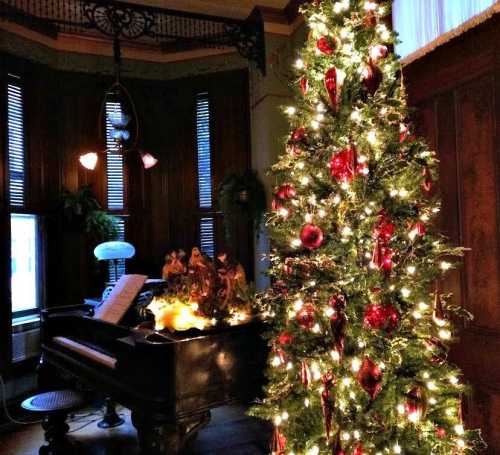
{"x":121,"y":297}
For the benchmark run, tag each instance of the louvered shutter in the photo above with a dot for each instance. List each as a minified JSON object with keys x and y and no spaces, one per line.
{"x":114,"y":159}
{"x":15,"y":143}
{"x":207,"y":242}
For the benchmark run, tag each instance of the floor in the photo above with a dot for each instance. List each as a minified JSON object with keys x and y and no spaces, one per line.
{"x":230,"y":432}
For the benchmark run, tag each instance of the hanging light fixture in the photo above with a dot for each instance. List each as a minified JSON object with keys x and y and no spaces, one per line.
{"x":119,"y":114}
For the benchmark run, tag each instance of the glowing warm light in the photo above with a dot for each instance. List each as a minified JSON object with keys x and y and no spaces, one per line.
{"x":173,"y":314}
{"x":459,"y":429}
{"x":148,"y":160}
{"x":290,"y":110}
{"x":445,"y":265}
{"x":89,"y":160}
{"x":405,"y":292}
{"x":299,"y":64}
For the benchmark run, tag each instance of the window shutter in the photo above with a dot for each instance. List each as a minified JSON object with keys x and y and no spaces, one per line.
{"x":15,"y":143}
{"x":120,"y":264}
{"x":207,"y":242}
{"x":114,"y":159}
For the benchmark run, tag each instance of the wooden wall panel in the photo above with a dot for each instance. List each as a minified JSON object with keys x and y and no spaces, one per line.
{"x":458,"y":87}
{"x":477,"y":183}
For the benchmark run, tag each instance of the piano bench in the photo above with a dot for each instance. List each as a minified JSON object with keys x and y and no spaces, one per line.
{"x":55,"y":406}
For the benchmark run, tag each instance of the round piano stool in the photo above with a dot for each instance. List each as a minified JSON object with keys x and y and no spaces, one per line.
{"x":55,"y":406}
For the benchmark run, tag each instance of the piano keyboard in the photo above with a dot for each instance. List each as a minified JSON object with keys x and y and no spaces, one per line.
{"x":92,"y":354}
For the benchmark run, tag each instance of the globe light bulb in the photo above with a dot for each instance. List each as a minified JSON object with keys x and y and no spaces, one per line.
{"x":89,"y":160}
{"x":148,"y":160}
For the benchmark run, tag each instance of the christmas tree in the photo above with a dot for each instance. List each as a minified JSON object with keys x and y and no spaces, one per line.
{"x":360,"y":327}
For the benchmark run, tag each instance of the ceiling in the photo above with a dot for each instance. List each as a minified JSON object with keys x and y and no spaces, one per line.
{"x":226,"y":8}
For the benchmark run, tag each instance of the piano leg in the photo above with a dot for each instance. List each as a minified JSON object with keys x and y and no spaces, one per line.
{"x":161,"y":438}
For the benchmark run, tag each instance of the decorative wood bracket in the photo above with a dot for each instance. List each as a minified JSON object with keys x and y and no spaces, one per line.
{"x":166,"y":29}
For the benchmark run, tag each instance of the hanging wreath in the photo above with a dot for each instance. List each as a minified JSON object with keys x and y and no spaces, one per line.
{"x":242,"y":197}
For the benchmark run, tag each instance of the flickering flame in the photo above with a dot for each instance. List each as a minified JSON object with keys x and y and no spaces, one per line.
{"x":89,"y":160}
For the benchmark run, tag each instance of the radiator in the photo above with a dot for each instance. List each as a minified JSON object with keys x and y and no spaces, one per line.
{"x":25,"y":344}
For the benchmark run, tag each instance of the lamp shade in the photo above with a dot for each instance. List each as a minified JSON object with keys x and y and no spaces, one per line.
{"x":114,"y":250}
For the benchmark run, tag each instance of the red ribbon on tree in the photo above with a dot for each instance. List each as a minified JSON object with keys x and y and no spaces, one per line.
{"x":416,"y":404}
{"x":285,"y":338}
{"x":286,"y":191}
{"x":338,"y":321}
{"x":328,"y":380}
{"x":370,"y":378}
{"x":305,"y":374}
{"x":331,"y":86}
{"x":278,"y":442}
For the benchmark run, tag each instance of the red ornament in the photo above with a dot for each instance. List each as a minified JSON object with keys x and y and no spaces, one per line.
{"x":286,"y":191}
{"x":370,"y":19}
{"x":377,"y":53}
{"x":285,"y":338}
{"x":384,"y":229}
{"x":341,"y":165}
{"x":277,"y":205}
{"x":325,"y":45}
{"x":331,"y":86}
{"x":372,"y":78}
{"x":416,"y":404}
{"x":299,"y":134}
{"x":419,"y":228}
{"x":370,"y":378}
{"x":305,"y":316}
{"x":305,"y":374}
{"x":380,"y":317}
{"x":278,"y":442}
{"x":311,"y":236}
{"x":427,"y":182}
{"x":293,"y":149}
{"x":440,"y":432}
{"x":304,"y":85}
{"x":338,"y":321}
{"x":327,"y":401}
{"x":358,"y":450}
{"x":382,"y":257}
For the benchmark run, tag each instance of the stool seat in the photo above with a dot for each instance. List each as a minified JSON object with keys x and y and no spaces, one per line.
{"x":55,"y":406}
{"x":55,"y":401}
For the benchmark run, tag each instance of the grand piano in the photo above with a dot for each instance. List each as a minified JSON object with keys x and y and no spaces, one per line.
{"x":169,"y":381}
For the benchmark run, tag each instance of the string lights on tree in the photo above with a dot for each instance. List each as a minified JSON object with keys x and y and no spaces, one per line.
{"x":360,"y":330}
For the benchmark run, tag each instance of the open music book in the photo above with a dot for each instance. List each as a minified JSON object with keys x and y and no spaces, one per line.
{"x":119,"y":301}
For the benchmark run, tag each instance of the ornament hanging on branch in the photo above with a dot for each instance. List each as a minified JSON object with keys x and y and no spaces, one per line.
{"x":286,"y":191}
{"x":304,"y":85}
{"x":427,"y":182}
{"x":338,"y":322}
{"x":381,"y":317}
{"x":341,"y":165}
{"x":370,"y":378}
{"x":285,"y":338}
{"x":416,"y":404}
{"x":358,"y":450}
{"x":326,"y":45}
{"x":327,"y":401}
{"x":305,"y":374}
{"x":311,"y":236}
{"x":278,"y":442}
{"x":371,"y":78}
{"x":377,"y":53}
{"x":330,"y":81}
{"x":305,"y":316}
{"x":299,"y":134}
